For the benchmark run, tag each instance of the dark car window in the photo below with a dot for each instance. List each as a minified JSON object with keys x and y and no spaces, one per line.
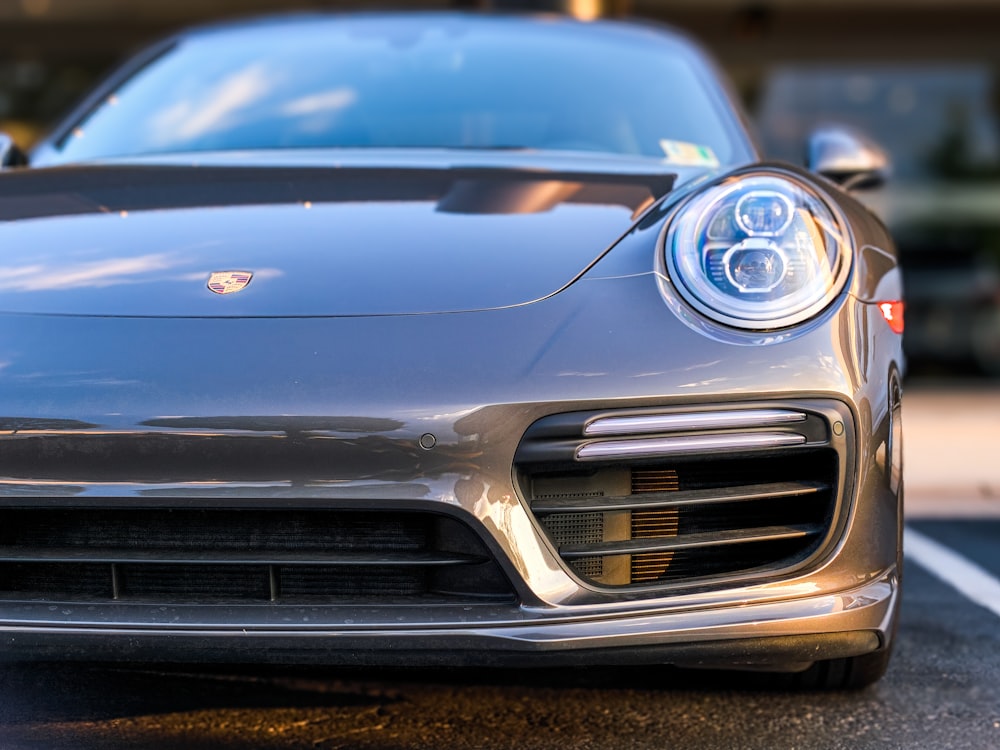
{"x":442,"y":83}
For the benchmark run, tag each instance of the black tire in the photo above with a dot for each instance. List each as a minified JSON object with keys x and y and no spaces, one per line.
{"x":852,"y":673}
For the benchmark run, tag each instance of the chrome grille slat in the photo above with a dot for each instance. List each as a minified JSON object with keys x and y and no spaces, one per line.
{"x":655,"y":447}
{"x":709,"y":420}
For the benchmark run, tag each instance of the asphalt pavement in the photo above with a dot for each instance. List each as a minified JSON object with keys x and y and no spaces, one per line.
{"x":942,"y":689}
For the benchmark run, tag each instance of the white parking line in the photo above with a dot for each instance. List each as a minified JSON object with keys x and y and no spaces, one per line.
{"x":959,"y":573}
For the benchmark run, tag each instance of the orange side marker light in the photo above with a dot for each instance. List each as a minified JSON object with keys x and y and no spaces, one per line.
{"x":893,"y":314}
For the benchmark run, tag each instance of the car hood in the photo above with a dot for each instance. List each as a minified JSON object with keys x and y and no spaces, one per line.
{"x":145,"y":239}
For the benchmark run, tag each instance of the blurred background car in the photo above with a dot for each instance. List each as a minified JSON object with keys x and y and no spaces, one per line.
{"x":940,"y":127}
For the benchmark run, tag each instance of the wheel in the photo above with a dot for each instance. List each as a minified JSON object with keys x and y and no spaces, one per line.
{"x":852,"y":673}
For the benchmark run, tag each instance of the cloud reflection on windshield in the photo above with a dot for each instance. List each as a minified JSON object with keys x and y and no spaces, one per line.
{"x":326,"y":101}
{"x":216,"y":109}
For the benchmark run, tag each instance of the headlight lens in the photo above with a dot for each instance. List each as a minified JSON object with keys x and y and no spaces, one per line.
{"x":758,"y":252}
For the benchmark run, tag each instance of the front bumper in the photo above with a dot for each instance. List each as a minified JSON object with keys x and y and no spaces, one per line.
{"x":778,"y":635}
{"x":475,"y":382}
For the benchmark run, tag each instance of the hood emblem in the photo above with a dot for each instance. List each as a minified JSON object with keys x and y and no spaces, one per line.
{"x":227,"y":282}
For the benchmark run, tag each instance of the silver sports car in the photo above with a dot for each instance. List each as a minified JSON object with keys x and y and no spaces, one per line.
{"x":444,"y":339}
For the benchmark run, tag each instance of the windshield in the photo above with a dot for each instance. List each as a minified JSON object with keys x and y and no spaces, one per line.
{"x":449,"y":82}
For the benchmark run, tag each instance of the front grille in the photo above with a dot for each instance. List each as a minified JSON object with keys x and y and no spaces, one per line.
{"x":665,"y":498}
{"x":224,"y":556}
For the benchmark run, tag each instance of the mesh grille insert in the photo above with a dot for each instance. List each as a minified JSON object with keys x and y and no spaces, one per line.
{"x":225,"y":556}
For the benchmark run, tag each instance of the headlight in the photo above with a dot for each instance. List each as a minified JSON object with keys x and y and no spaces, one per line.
{"x":758,"y":252}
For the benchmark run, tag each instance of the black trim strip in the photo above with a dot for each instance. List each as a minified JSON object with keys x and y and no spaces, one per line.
{"x":690,"y":541}
{"x":676,"y":499}
{"x":213,"y":557}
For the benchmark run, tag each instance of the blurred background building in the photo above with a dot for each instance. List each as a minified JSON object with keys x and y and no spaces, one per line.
{"x":920,"y":76}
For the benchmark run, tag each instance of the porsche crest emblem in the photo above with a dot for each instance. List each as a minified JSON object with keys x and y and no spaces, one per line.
{"x":227,"y":282}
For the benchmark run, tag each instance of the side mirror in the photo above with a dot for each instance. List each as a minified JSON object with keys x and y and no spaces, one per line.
{"x":847,"y":157}
{"x":10,"y":154}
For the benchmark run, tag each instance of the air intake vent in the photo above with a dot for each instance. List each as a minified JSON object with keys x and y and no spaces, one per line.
{"x":683,"y":497}
{"x":183,"y":556}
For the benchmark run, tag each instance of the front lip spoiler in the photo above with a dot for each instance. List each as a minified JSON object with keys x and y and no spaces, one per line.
{"x":809,"y":629}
